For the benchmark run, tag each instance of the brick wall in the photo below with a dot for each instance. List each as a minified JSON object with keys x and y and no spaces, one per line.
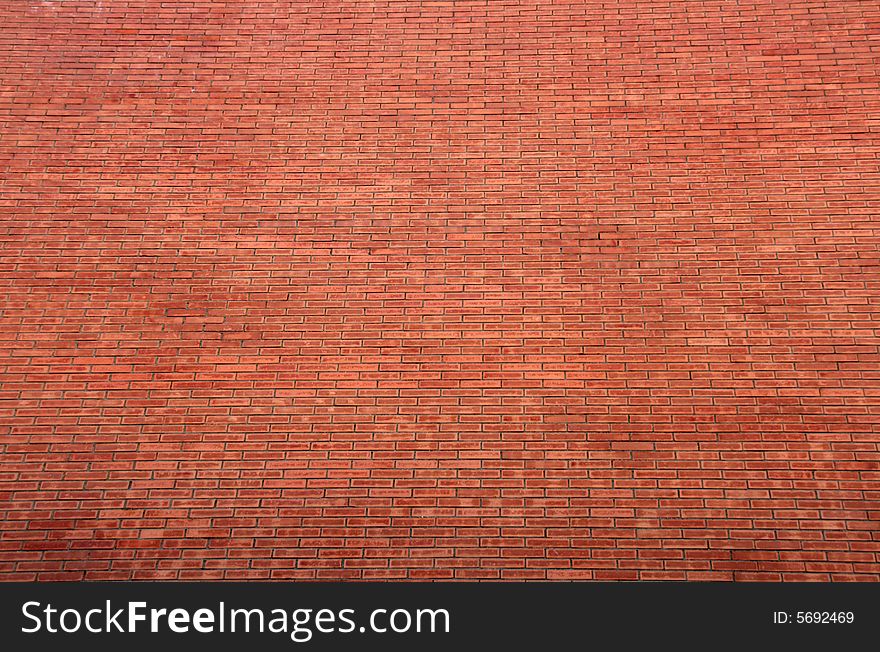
{"x":473,"y":289}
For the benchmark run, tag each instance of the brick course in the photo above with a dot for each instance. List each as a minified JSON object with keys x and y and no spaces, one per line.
{"x":440,"y":290}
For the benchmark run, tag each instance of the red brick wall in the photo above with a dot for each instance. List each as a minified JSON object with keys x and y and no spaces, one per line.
{"x":402,"y":289}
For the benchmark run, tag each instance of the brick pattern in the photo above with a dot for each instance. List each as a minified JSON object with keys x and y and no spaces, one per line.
{"x":516,"y":289}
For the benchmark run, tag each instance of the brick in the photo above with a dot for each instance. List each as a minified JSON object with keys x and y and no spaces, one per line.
{"x":443,"y":291}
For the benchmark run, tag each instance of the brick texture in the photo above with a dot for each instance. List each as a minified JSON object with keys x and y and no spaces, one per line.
{"x":440,"y":290}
